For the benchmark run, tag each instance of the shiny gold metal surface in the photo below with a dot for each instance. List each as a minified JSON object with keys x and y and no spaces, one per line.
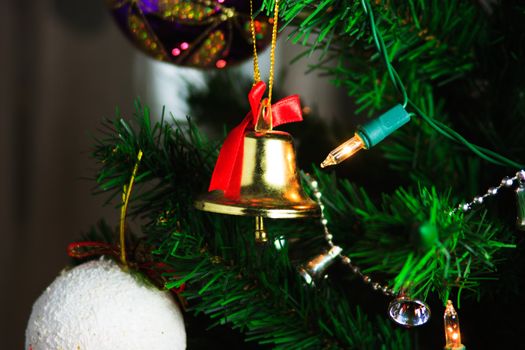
{"x":264,"y":124}
{"x":260,"y":232}
{"x":270,"y":185}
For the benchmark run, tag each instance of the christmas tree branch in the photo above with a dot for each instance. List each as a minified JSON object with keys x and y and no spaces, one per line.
{"x":227,"y":275}
{"x":432,"y":46}
{"x":428,"y":48}
{"x":358,"y":69}
{"x":412,"y":240}
{"x":416,"y":238}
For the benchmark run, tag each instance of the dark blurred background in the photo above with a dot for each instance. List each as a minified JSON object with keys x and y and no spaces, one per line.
{"x":63,"y":67}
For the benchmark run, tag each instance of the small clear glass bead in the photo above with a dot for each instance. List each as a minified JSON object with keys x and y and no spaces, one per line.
{"x":492,"y":191}
{"x":355,"y":269}
{"x":376,"y":286}
{"x":324,"y":221}
{"x":314,"y":184}
{"x":317,"y":194}
{"x":329,"y":237}
{"x":507,"y":181}
{"x":465,"y":207}
{"x":478,"y":200}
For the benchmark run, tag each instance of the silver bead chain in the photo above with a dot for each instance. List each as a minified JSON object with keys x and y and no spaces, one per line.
{"x":314,"y":186}
{"x":506,"y":182}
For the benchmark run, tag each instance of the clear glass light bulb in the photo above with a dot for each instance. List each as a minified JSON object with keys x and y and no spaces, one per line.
{"x":452,"y":332}
{"x":344,"y":151}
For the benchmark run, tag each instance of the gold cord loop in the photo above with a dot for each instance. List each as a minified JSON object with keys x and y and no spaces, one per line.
{"x":272,"y":50}
{"x":256,"y":72}
{"x":256,"y":69}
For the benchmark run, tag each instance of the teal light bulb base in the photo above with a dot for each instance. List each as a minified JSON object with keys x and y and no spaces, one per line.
{"x":378,"y":129}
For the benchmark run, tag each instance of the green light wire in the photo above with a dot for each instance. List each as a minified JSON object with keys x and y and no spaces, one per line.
{"x":380,"y":44}
{"x":440,"y":127}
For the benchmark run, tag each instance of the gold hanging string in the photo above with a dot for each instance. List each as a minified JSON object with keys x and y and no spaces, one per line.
{"x":256,"y":70}
{"x":272,"y":51}
{"x":123,"y":209}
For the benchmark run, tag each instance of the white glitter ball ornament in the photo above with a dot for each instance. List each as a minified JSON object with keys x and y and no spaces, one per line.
{"x":97,"y":306}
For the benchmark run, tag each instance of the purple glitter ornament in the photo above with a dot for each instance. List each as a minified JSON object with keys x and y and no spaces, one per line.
{"x":195,"y":33}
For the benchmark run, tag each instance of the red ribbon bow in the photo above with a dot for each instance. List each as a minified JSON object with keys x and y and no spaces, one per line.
{"x":227,"y":173}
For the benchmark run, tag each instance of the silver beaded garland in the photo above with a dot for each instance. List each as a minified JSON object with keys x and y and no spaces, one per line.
{"x":492,"y":191}
{"x":506,"y":182}
{"x":478,"y":200}
{"x":314,"y":186}
{"x":404,"y":310}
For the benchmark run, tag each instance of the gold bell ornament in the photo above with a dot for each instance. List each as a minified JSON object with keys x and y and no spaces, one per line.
{"x":256,"y":173}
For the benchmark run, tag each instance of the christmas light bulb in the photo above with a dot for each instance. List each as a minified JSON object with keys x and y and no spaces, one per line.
{"x":344,"y":151}
{"x":369,"y":135}
{"x":452,"y":332}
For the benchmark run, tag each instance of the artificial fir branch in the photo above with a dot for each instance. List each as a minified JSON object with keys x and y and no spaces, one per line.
{"x":434,"y":46}
{"x":267,"y":306}
{"x":257,"y":290}
{"x":421,"y":243}
{"x":220,"y":265}
{"x":431,"y":44}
